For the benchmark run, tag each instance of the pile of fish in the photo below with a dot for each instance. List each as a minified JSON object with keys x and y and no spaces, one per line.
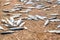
{"x":12,"y":24}
{"x":16,"y":21}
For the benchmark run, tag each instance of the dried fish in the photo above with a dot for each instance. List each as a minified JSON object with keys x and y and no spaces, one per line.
{"x":17,"y":28}
{"x":26,"y":11}
{"x":32,"y":17}
{"x":52,"y":18}
{"x":7,"y":3}
{"x":39,"y":6}
{"x":23,"y":1}
{"x":5,"y":10}
{"x":46,"y":9}
{"x":7,"y":0}
{"x":12,"y":19}
{"x":37,"y":0}
{"x":3,"y":21}
{"x":7,"y":32}
{"x":24,"y":18}
{"x":54,"y":31}
{"x":5,"y":24}
{"x":17,"y":9}
{"x":16,"y":15}
{"x":30,"y":2}
{"x":55,"y":20}
{"x":46,"y":23}
{"x":6,"y":14}
{"x":8,"y":25}
{"x":54,"y":6}
{"x":9,"y":22}
{"x":23,"y":11}
{"x":19,"y":21}
{"x":21,"y":24}
{"x":12,"y":10}
{"x":30,"y":7}
{"x":58,"y":2}
{"x":58,"y":26}
{"x":1,"y":28}
{"x":49,"y":1}
{"x":29,"y":19}
{"x":17,"y":5}
{"x":55,"y":14}
{"x":41,"y":17}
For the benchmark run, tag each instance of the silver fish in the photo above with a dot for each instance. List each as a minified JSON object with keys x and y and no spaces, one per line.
{"x":1,"y":28}
{"x":7,"y":0}
{"x":17,"y":28}
{"x":23,"y":11}
{"x":7,"y":3}
{"x":5,"y":10}
{"x":39,"y":6}
{"x":55,"y":14}
{"x":9,"y":22}
{"x":46,"y":9}
{"x":55,"y":20}
{"x":12,"y":19}
{"x":3,"y":21}
{"x":21,"y":24}
{"x":58,"y":2}
{"x":32,"y":17}
{"x":28,"y":10}
{"x":16,"y":15}
{"x":52,"y":18}
{"x":54,"y":31}
{"x":7,"y":32}
{"x":30,"y":2}
{"x":12,"y":10}
{"x":19,"y":21}
{"x":30,"y":7}
{"x":23,"y":1}
{"x":46,"y":23}
{"x":58,"y":26}
{"x":40,"y":17}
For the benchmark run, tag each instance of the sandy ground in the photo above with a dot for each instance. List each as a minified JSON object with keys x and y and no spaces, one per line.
{"x":35,"y":28}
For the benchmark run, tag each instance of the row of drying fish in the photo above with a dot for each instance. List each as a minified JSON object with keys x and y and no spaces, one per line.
{"x":33,"y":1}
{"x":19,"y":7}
{"x":11,"y":23}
